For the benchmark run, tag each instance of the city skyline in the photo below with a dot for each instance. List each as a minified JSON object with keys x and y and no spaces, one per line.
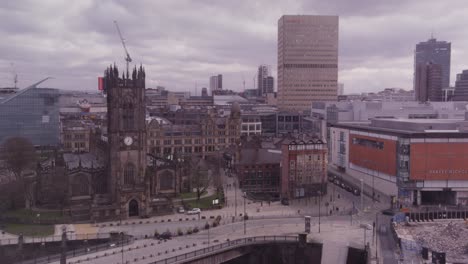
{"x":376,"y":41}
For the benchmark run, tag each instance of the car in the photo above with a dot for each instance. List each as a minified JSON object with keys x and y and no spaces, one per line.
{"x":356,"y":192}
{"x":194,"y":211}
{"x":180,"y":210}
{"x":348,"y":188}
{"x":388,"y":212}
{"x":284,"y":201}
{"x":366,"y":226}
{"x":165,"y":236}
{"x":383,"y":229}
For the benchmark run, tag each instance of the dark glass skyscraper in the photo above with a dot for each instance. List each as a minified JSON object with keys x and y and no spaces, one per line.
{"x":264,"y":80}
{"x":428,"y":82}
{"x":461,"y":87}
{"x":436,"y":52}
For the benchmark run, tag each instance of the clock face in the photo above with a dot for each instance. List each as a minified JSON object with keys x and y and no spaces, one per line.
{"x":128,"y":141}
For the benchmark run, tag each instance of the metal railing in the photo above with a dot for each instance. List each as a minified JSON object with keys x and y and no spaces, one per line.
{"x":436,"y":215}
{"x":78,"y":252}
{"x":225,"y":246}
{"x":28,"y":240}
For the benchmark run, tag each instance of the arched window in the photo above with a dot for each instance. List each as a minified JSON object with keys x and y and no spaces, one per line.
{"x":129,"y":174}
{"x":128,"y":114}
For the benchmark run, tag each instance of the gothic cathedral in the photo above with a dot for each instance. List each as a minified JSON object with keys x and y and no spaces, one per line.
{"x":126,"y":119}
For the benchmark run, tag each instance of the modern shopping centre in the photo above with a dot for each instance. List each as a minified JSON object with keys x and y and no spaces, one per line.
{"x":419,"y":161}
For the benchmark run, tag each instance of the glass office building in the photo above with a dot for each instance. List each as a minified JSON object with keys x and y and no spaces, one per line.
{"x":436,"y":52}
{"x":32,"y":113}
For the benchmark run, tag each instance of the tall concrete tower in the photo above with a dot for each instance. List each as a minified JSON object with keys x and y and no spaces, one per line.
{"x":307,"y":60}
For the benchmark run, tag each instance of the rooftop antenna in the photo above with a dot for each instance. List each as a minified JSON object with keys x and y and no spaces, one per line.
{"x":15,"y":75}
{"x":243,"y":80}
{"x":254,"y":78}
{"x":128,"y":59}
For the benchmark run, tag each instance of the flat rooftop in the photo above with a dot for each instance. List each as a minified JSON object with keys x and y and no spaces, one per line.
{"x":411,"y":127}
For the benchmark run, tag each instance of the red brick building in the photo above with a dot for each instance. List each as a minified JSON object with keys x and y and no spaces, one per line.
{"x":259,"y":171}
{"x":303,"y":168}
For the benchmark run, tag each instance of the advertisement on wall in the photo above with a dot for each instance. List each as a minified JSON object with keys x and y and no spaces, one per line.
{"x":439,"y":161}
{"x":373,"y":153}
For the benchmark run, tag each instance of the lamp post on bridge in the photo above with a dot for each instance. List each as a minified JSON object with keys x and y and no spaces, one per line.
{"x":245,"y":216}
{"x":63,"y":254}
{"x":320,"y":202}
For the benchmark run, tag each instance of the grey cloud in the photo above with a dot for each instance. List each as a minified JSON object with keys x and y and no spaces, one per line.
{"x":182,"y":43}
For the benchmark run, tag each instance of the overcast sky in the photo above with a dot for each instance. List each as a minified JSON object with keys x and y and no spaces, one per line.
{"x":181,"y":43}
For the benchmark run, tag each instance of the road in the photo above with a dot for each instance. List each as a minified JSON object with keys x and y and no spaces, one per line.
{"x":337,"y":230}
{"x":254,"y":210}
{"x":334,"y":229}
{"x":276,"y":219}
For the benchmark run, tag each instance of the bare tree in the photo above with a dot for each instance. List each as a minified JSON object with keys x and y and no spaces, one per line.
{"x":19,"y":155}
{"x":216,"y":164}
{"x":200,"y":177}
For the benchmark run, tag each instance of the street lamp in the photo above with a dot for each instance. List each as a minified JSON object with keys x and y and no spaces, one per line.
{"x":235,"y":198}
{"x":180,"y":160}
{"x":362,"y":195}
{"x":63,"y":255}
{"x":320,"y":202}
{"x":376,"y":224}
{"x":122,"y":245}
{"x":245,"y":216}
{"x":173,"y":158}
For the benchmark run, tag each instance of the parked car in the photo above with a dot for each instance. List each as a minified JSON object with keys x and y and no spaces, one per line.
{"x":366,"y":226}
{"x":348,"y":188}
{"x":165,"y":236}
{"x":180,"y":210}
{"x":284,"y":201}
{"x":356,"y":192}
{"x":388,"y":212}
{"x":194,"y":211}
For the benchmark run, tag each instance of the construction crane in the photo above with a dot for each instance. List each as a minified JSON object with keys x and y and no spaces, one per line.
{"x":127,"y":58}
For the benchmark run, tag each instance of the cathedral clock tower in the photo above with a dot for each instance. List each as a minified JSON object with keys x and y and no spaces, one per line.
{"x":126,"y":124}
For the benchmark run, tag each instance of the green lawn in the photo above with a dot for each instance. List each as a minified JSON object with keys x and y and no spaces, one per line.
{"x":189,"y":195}
{"x":203,"y":203}
{"x":30,"y":215}
{"x":30,"y":230}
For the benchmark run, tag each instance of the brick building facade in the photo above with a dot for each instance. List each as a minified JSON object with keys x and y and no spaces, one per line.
{"x":304,"y":168}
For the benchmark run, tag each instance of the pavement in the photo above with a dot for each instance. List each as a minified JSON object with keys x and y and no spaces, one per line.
{"x":337,"y":230}
{"x":367,"y":187}
{"x":333,"y":233}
